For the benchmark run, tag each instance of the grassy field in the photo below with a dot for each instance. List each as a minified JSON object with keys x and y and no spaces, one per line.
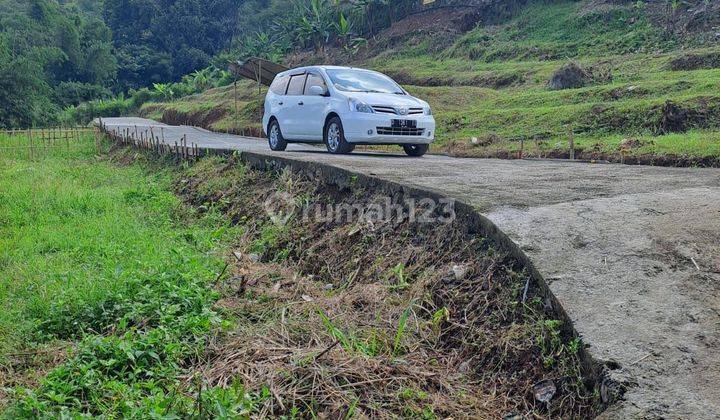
{"x":117,"y":301}
{"x":490,"y":84}
{"x":104,"y":291}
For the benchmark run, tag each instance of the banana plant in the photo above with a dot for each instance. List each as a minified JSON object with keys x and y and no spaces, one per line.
{"x":164,"y":89}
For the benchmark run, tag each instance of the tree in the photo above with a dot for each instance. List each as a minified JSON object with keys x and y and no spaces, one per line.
{"x":23,"y":92}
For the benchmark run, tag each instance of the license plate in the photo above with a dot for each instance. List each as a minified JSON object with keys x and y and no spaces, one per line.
{"x":404,"y":124}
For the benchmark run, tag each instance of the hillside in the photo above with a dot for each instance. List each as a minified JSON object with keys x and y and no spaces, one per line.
{"x":643,"y":81}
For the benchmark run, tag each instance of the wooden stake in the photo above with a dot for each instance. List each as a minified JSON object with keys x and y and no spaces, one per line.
{"x":236,"y":102}
{"x":30,"y":140}
{"x":571,"y":141}
{"x":95,"y":139}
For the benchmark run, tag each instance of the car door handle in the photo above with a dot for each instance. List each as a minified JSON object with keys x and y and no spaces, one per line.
{"x":301,"y":103}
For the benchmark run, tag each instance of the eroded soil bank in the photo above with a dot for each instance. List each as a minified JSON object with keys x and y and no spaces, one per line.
{"x":340,"y":310}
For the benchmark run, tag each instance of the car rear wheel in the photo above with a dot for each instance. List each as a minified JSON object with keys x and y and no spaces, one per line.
{"x":415,"y":150}
{"x":335,"y":137}
{"x":275,"y":138}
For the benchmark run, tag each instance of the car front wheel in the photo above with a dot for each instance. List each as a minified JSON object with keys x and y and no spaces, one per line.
{"x":415,"y":150}
{"x":335,"y":137}
{"x":275,"y":138}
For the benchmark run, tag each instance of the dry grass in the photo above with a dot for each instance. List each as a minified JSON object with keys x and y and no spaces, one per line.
{"x":26,"y":368}
{"x":337,"y":318}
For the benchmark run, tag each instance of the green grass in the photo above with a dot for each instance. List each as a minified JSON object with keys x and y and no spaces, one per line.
{"x":565,"y":29}
{"x":108,"y":257}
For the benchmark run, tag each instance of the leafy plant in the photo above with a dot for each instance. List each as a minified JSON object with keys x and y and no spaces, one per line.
{"x":164,"y":89}
{"x":401,"y":280}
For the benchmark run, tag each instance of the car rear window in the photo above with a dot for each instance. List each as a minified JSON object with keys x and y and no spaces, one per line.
{"x":297,"y":83}
{"x":279,"y":85}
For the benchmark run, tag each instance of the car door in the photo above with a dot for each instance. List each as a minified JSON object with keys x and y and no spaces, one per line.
{"x":275,"y":101}
{"x":314,"y":109}
{"x":293,"y":108}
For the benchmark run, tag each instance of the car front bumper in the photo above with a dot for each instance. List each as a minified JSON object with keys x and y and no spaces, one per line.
{"x":363,"y":128}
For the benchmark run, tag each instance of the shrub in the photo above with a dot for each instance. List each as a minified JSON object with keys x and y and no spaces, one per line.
{"x":87,"y":111}
{"x":73,"y":93}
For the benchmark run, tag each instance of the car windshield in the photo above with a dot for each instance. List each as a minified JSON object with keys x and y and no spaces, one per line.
{"x":350,"y":80}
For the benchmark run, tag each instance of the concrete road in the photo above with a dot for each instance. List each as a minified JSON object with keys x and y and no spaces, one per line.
{"x":631,"y":252}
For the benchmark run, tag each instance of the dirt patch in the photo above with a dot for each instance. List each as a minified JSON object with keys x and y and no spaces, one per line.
{"x":491,"y":80}
{"x":200,"y":118}
{"x":695,"y":61}
{"x":433,"y":31}
{"x":626,"y":155}
{"x":442,"y":21}
{"x":391,"y":317}
{"x":210,"y":118}
{"x":698,"y":19}
{"x":572,"y":76}
{"x":629,"y":144}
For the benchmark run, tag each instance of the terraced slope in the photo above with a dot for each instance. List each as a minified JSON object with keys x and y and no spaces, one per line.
{"x":642,"y":94}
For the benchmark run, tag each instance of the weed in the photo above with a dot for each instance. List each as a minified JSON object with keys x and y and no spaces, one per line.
{"x":402,"y":323}
{"x":400,"y":279}
{"x":107,"y":255}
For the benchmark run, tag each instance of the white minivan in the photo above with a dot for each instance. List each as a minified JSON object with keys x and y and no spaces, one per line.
{"x":343,"y":107}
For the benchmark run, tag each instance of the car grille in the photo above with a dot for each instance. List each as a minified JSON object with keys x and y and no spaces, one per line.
{"x":385,"y":109}
{"x":405,"y":131}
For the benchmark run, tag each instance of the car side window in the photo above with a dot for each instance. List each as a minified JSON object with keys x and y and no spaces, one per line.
{"x":279,"y":85}
{"x":297,"y":84}
{"x":314,"y":80}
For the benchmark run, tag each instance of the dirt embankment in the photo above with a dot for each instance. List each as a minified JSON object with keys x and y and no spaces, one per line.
{"x":215,"y":112}
{"x":338,"y":307}
{"x":624,"y":155}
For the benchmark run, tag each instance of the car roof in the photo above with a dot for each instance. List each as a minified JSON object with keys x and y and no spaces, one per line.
{"x":300,"y":70}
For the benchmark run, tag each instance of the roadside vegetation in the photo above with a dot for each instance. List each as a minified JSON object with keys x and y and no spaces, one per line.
{"x":104,"y":288}
{"x":133,"y":287}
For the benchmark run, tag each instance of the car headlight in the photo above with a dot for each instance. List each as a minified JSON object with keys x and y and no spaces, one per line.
{"x":428,"y":111}
{"x":359,"y":106}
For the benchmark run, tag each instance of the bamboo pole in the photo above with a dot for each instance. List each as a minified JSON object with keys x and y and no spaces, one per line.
{"x":236,"y":102}
{"x":95,"y":139}
{"x":30,"y":140}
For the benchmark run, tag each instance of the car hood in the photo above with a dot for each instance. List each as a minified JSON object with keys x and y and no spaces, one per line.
{"x":386,"y":99}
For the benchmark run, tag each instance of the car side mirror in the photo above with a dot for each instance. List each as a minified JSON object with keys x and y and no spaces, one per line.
{"x":317,"y":91}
